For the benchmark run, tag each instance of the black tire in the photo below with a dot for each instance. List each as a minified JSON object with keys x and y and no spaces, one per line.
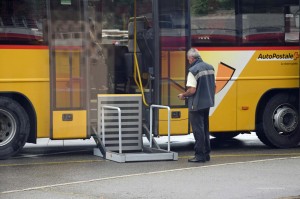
{"x":279,"y":126}
{"x":14,"y":127}
{"x":225,"y":135}
{"x":262,"y":137}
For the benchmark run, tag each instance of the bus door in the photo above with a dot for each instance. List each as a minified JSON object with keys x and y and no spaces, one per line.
{"x":73,"y":52}
{"x":174,"y":42}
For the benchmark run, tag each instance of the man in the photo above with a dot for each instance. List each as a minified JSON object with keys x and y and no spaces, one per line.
{"x":200,"y":93}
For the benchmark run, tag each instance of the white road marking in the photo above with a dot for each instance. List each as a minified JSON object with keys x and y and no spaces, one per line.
{"x":272,"y":188}
{"x":141,"y":174}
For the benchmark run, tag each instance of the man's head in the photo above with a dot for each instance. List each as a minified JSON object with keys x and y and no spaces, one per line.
{"x":193,"y":55}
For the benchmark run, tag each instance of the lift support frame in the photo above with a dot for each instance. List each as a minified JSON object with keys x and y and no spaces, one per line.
{"x":119,"y":146}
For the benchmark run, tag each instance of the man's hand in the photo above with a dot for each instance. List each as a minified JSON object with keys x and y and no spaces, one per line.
{"x":181,"y":97}
{"x":189,"y":92}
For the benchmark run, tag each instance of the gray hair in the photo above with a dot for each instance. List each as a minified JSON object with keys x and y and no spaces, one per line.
{"x":193,"y":53}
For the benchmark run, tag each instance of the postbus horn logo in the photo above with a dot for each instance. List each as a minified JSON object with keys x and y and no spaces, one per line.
{"x":224,"y":75}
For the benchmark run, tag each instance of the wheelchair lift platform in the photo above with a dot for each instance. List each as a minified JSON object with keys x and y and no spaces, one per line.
{"x":119,"y":134}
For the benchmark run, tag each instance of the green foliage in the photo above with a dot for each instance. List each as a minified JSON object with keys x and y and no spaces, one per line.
{"x":202,"y":7}
{"x":199,"y":7}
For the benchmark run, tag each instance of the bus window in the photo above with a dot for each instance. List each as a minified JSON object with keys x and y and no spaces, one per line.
{"x":213,"y":22}
{"x":174,"y":38}
{"x":292,"y":24}
{"x":270,"y":22}
{"x":263,"y":23}
{"x":22,"y":22}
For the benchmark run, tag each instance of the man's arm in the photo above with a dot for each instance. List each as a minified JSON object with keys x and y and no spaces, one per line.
{"x":189,"y":92}
{"x":191,"y":87}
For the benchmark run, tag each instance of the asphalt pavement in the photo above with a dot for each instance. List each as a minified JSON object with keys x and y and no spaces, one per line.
{"x":239,"y":168}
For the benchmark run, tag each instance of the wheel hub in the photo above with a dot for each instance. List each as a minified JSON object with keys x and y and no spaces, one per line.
{"x":7,"y":127}
{"x":285,"y":119}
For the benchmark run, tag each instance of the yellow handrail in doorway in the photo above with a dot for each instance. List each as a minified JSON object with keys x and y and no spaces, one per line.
{"x":136,"y":70}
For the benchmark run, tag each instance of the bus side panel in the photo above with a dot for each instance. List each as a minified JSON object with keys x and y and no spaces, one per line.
{"x":267,"y":70}
{"x":254,"y":73}
{"x":69,"y":124}
{"x":228,"y":64}
{"x":26,"y":71}
{"x":249,"y":94}
{"x":224,"y":117}
{"x":179,"y":121}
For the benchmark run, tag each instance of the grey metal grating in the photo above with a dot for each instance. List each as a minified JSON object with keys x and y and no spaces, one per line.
{"x":131,"y":117}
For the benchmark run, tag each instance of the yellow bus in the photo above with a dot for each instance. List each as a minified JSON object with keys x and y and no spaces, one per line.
{"x":56,"y":56}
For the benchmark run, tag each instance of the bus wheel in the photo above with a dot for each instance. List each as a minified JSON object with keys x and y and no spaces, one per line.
{"x":225,"y":136}
{"x":14,"y":127}
{"x":280,"y":123}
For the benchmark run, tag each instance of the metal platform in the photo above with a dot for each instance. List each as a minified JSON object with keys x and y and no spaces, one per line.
{"x":148,"y":154}
{"x":119,"y":131}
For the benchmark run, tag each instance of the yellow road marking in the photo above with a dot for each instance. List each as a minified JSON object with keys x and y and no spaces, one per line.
{"x":247,"y":155}
{"x":180,"y":157}
{"x":50,"y":163}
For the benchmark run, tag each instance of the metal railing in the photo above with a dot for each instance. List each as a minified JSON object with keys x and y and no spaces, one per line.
{"x":151,"y":121}
{"x":120,"y":125}
{"x":119,"y":121}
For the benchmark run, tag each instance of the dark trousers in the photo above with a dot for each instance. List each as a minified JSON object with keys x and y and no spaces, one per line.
{"x":200,"y":125}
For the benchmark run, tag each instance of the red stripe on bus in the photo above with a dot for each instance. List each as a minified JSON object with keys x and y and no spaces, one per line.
{"x":247,"y":48}
{"x":23,"y":47}
{"x":20,"y":37}
{"x":39,"y":47}
{"x":199,"y":48}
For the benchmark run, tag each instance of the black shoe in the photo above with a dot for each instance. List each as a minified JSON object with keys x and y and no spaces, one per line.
{"x":207,"y":157}
{"x":194,"y":159}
